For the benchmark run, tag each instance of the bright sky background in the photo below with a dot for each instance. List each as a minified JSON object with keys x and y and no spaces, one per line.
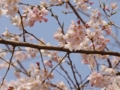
{"x":46,"y":31}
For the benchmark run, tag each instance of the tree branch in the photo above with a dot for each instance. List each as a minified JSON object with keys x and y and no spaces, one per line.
{"x":25,"y":44}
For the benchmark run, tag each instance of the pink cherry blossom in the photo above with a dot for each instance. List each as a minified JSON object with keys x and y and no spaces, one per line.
{"x":48,"y":63}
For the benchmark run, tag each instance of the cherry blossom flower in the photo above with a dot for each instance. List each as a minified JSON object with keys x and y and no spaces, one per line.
{"x":110,"y":71}
{"x":62,"y":85}
{"x":15,"y":20}
{"x":17,"y":74}
{"x":114,"y":5}
{"x":19,"y":55}
{"x":96,"y":79}
{"x":48,"y":63}
{"x":6,"y":34}
{"x":15,"y":38}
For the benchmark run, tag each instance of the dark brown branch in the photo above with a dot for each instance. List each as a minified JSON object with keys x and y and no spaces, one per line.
{"x":25,"y":44}
{"x":110,"y":65}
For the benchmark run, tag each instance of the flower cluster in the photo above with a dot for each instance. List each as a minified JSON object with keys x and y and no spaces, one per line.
{"x":29,"y":17}
{"x":73,"y":37}
{"x":34,"y":15}
{"x":9,"y":7}
{"x":34,"y":81}
{"x":98,"y":80}
{"x":83,"y":4}
{"x":105,"y":81}
{"x":90,"y":38}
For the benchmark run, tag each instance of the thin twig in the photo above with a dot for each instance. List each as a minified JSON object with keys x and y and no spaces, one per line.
{"x":34,"y":37}
{"x":56,"y":86}
{"x":42,"y":60}
{"x":56,"y":17}
{"x":64,"y":78}
{"x":110,"y":65}
{"x":13,"y":65}
{"x":61,"y":67}
{"x":73,"y":72}
{"x":55,"y":67}
{"x":22,"y":26}
{"x":8,"y":67}
{"x":72,"y":7}
{"x":23,"y":68}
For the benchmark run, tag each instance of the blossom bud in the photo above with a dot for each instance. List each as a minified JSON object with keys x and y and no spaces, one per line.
{"x":38,"y":65}
{"x":78,"y":21}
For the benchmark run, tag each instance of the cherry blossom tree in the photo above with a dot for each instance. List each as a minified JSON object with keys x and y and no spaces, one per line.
{"x":90,"y":34}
